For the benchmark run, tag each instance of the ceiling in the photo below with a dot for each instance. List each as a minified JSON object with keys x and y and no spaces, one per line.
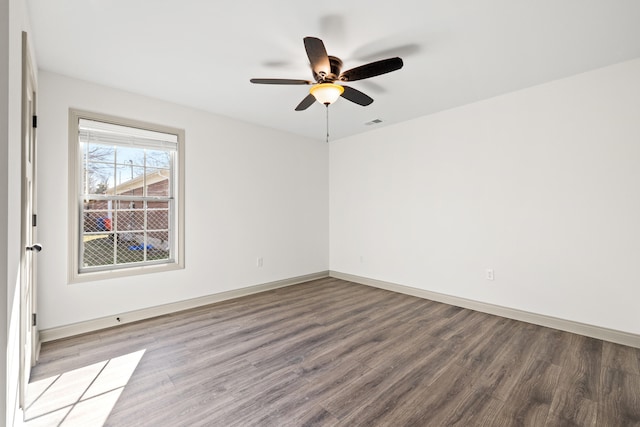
{"x":202,"y":53}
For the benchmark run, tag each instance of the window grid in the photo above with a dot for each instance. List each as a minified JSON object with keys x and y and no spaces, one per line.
{"x":134,"y":226}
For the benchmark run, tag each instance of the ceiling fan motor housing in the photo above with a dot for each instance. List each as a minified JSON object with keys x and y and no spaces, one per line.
{"x":335,"y":65}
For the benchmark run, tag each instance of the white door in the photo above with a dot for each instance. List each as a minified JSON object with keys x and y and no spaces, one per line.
{"x":28,"y":330}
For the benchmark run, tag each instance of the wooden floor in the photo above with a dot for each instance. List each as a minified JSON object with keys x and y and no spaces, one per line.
{"x":334,"y":353}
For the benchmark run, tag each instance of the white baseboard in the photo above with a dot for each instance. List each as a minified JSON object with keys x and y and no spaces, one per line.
{"x":146,"y":313}
{"x":606,"y":334}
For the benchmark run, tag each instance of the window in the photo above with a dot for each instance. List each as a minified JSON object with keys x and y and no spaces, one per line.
{"x":127,"y":192}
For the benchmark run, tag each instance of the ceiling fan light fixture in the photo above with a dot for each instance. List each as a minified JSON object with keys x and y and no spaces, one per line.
{"x":326,"y":93}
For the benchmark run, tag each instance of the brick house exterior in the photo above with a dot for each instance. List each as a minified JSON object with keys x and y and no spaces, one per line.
{"x":127,"y":218}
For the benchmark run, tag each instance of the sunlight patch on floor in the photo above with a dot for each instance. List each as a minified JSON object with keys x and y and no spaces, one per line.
{"x":82,"y":397}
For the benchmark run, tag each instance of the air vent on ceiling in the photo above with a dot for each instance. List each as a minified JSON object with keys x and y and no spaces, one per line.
{"x":373,"y":122}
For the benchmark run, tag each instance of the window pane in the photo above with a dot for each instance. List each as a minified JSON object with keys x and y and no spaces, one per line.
{"x":97,"y":177}
{"x":158,"y":245}
{"x":97,"y":170}
{"x":130,"y":233}
{"x":123,"y":232}
{"x":157,"y":182}
{"x":129,"y":180}
{"x":158,"y":159}
{"x":97,"y":237}
{"x":131,"y":247}
{"x":130,"y":156}
{"x":98,"y":250}
{"x":158,"y":216}
{"x":98,"y":216}
{"x":100,"y":153}
{"x":130,"y":215}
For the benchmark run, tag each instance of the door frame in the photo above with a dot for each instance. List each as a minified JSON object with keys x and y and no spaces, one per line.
{"x":29,"y":336}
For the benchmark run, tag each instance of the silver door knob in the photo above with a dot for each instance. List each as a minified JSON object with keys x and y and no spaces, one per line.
{"x":36,"y":247}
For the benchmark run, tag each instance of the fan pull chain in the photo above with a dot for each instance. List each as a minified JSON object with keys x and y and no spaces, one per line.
{"x":327,"y":105}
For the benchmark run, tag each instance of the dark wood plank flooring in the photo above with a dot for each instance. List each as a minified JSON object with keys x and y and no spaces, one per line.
{"x":334,"y":353}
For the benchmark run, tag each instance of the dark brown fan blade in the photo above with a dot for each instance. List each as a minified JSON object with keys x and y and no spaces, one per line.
{"x":281,"y":82}
{"x":354,"y":95}
{"x":372,"y":69}
{"x":306,"y":103}
{"x":317,"y":56}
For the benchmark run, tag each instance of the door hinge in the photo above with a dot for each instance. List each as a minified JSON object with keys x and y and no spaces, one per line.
{"x":34,"y":318}
{"x":34,"y":220}
{"x":34,"y":121}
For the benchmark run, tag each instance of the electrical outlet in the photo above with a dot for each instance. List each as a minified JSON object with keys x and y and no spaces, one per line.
{"x":259,"y":262}
{"x":489,"y":274}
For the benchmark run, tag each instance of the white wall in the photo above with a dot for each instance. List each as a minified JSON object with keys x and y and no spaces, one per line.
{"x":13,"y":20}
{"x":250,"y":191}
{"x":542,"y":185}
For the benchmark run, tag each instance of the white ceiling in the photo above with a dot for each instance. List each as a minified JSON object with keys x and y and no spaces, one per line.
{"x":203,"y":53}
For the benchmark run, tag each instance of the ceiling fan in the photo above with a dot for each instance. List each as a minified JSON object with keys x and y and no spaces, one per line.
{"x":327,"y":70}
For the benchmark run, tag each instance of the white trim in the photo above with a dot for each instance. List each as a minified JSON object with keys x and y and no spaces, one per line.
{"x":593,"y":331}
{"x":74,"y":201}
{"x":147,"y":313}
{"x":619,"y":337}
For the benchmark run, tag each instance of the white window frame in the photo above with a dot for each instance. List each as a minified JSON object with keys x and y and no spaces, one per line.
{"x":76,"y":201}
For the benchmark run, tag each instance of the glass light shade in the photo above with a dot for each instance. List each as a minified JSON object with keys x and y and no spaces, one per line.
{"x":326,"y":93}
